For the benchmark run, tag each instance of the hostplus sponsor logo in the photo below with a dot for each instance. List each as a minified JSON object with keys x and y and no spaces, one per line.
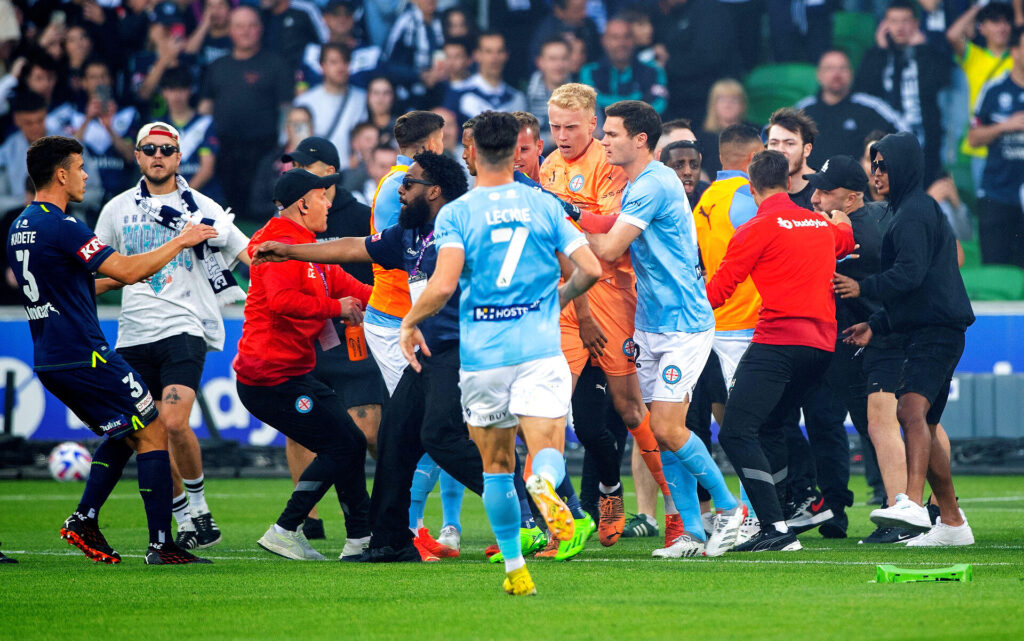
{"x":503,"y":312}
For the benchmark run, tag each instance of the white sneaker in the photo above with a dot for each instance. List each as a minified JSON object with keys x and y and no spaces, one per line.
{"x":354,"y":548}
{"x":708,"y":521}
{"x":942,"y":535}
{"x":727,"y":528}
{"x":904,"y":514}
{"x":751,"y":527}
{"x":450,"y":537}
{"x":290,"y":545}
{"x":684,"y":545}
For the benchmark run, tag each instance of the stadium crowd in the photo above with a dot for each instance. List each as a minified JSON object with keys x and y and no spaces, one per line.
{"x":684,"y":297}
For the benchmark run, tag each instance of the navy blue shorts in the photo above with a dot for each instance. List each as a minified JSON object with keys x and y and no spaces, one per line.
{"x":110,"y":398}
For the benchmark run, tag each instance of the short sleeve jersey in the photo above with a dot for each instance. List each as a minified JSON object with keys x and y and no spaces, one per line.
{"x":54,"y":256}
{"x":670,"y":286}
{"x":979,"y":67}
{"x":1004,"y":170}
{"x":509,"y":307}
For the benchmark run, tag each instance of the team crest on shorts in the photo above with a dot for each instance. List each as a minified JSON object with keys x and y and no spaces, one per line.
{"x":576,"y":183}
{"x":629,"y":348}
{"x":671,"y":374}
{"x":303,"y":404}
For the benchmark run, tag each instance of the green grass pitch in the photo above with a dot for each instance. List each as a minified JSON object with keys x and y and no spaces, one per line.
{"x":617,"y":593}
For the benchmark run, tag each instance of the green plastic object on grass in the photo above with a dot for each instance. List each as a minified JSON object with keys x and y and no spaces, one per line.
{"x":893,"y":574}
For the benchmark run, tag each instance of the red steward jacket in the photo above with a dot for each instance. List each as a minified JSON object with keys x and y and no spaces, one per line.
{"x":790,"y":253}
{"x":287,"y":306}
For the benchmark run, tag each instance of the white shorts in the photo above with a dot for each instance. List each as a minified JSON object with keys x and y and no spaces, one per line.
{"x":496,"y":397}
{"x":383,"y":345}
{"x":730,"y":347}
{"x":669,"y":364}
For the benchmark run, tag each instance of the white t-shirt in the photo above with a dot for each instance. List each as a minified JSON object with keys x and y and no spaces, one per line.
{"x":177,"y":299}
{"x":325,"y":107}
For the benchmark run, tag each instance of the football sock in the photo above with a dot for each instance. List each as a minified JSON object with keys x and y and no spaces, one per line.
{"x":684,"y":494}
{"x":182,"y":515}
{"x":500,"y":505}
{"x":451,"y":500}
{"x":608,"y":490}
{"x":781,"y":527}
{"x":643,"y":438}
{"x":568,"y":494}
{"x":107,"y":465}
{"x":423,"y":481}
{"x":746,"y":501}
{"x":695,"y":457}
{"x":550,"y":465}
{"x":526,"y":520}
{"x":155,"y":488}
{"x":196,"y":494}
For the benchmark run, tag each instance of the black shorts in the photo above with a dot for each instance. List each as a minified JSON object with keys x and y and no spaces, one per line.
{"x":357,"y":383}
{"x":175,"y":360}
{"x":932,"y":354}
{"x":882,"y":367}
{"x":110,"y":398}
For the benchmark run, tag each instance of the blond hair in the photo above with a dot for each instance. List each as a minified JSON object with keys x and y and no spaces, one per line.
{"x":574,"y":96}
{"x":723,"y":88}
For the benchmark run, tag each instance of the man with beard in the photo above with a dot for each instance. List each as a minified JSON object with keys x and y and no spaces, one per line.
{"x":424,"y":414}
{"x":168,"y":323}
{"x":792,"y":133}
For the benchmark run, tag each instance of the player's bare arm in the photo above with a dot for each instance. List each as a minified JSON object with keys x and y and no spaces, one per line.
{"x":615,"y":243}
{"x":439,"y":289}
{"x":342,"y":250}
{"x":590,"y":332}
{"x":132,"y":269}
{"x":586,"y":273}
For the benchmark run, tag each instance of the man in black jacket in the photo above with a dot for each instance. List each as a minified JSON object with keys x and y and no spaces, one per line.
{"x":923,"y":297}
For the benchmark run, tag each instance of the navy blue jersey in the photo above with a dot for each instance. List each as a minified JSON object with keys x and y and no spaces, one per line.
{"x":53,"y":256}
{"x":408,"y":250}
{"x":1004,"y":170}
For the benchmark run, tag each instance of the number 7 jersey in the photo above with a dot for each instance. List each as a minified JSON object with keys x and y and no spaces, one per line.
{"x":508,"y":310}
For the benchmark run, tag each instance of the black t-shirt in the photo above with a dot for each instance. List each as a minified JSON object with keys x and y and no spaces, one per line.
{"x":803,"y":197}
{"x":247,"y":96}
{"x":348,"y":218}
{"x":843,"y":126}
{"x":288,"y":33}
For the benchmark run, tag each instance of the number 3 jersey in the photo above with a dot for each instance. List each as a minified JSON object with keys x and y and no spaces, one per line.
{"x":509,"y":304}
{"x":53,"y":256}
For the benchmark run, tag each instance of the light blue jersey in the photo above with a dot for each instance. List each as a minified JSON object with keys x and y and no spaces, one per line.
{"x":508,"y":312}
{"x":670,"y":289}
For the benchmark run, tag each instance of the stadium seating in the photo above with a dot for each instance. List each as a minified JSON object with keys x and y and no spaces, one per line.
{"x":994,"y":282}
{"x":854,"y":33}
{"x":770,"y":87}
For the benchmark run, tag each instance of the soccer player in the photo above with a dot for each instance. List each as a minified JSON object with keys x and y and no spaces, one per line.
{"x":513,"y":372}
{"x":168,"y":323}
{"x":290,"y":306}
{"x":53,"y":256}
{"x":788,"y":252}
{"x":599,"y":326}
{"x":674,"y":322}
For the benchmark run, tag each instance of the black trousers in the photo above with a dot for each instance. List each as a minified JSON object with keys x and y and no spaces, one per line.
{"x":771,"y":380}
{"x":594,"y":418}
{"x":311,"y":414}
{"x":1001,"y":232}
{"x":237,"y":161}
{"x":423,"y":415}
{"x":847,"y":378}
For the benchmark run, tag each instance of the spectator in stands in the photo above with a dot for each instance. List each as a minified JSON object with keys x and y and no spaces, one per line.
{"x":37,"y":74}
{"x":844,"y":118}
{"x":568,"y":16}
{"x":339,"y":16}
{"x":517,"y":20}
{"x":455,"y":23}
{"x":700,"y":44}
{"x":552,"y":72}
{"x":382,"y":159}
{"x":999,"y":125}
{"x":674,"y":131}
{"x":165,"y":49}
{"x":381,"y":108}
{"x":642,"y":28}
{"x":620,"y":76}
{"x":981,"y":63}
{"x":245,"y":93}
{"x":131,"y":28}
{"x":29,"y":110}
{"x":197,"y":137}
{"x":486,"y":89}
{"x":77,"y":49}
{"x":577,"y":53}
{"x":298,"y":125}
{"x":458,"y":60}
{"x":363,"y":140}
{"x":452,"y":133}
{"x":727,"y":106}
{"x":336,"y":106}
{"x":792,"y":133}
{"x":799,"y":32}
{"x":684,"y":158}
{"x":907,"y":73}
{"x":290,"y":25}
{"x":211,"y":39}
{"x":408,"y":55}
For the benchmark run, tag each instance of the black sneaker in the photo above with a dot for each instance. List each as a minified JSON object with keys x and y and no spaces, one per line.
{"x":933,"y":513}
{"x":640,"y":525}
{"x":808,"y":513}
{"x":207,"y":533}
{"x":6,"y":559}
{"x":85,"y":535}
{"x":388,"y":554}
{"x":187,"y":540}
{"x":170,"y":554}
{"x":888,"y":535}
{"x":770,"y":540}
{"x":835,"y":527}
{"x":313,"y":528}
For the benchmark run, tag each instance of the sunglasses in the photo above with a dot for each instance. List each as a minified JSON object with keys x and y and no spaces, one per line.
{"x":879,"y":166}
{"x":150,"y":149}
{"x":408,"y":181}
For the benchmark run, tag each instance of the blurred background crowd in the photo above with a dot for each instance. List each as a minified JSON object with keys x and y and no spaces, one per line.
{"x":245,"y":81}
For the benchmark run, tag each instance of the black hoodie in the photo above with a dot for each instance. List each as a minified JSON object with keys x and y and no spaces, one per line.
{"x":920,"y":283}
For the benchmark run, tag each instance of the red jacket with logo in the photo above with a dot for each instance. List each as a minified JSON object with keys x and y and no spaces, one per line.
{"x":790,"y":252}
{"x":286,"y":309}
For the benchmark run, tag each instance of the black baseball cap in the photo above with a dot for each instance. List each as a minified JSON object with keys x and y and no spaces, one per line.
{"x":296,"y":183}
{"x":336,"y":4}
{"x":313,"y":149}
{"x":839,"y":171}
